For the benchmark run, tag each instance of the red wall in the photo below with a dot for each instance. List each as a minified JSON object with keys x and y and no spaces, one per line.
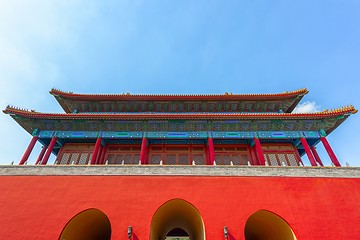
{"x":38,"y":207}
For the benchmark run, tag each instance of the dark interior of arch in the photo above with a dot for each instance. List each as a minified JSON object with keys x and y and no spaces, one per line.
{"x":265,"y":225}
{"x":177,"y":232}
{"x":90,"y":224}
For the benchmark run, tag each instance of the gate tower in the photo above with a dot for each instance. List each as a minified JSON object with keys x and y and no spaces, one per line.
{"x":231,"y":166}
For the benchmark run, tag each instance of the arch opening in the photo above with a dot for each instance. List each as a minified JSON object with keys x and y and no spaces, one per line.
{"x":177,"y":219}
{"x":265,"y":225}
{"x":91,"y":224}
{"x":177,"y":234}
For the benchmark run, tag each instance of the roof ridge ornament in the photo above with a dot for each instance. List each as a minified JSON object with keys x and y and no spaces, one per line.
{"x":9,"y":108}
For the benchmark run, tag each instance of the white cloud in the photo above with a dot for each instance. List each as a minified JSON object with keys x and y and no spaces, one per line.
{"x":307,"y":107}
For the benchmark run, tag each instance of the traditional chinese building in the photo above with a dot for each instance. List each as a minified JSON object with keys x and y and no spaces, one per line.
{"x":179,"y":167}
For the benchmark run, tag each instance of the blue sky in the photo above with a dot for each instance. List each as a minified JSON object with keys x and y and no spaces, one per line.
{"x":180,"y":47}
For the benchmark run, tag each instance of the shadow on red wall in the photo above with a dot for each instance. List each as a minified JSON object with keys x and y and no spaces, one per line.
{"x":231,"y":237}
{"x":135,"y":237}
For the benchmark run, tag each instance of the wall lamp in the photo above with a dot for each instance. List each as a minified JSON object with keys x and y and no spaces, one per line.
{"x":130,"y":232}
{"x":226,"y":232}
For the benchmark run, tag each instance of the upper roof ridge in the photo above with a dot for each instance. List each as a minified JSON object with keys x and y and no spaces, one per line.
{"x":58,"y":92}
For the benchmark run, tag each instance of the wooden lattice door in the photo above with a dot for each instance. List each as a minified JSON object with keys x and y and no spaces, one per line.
{"x":75,"y":153}
{"x":123,"y":154}
{"x":177,"y":154}
{"x":231,"y":154}
{"x":281,"y":155}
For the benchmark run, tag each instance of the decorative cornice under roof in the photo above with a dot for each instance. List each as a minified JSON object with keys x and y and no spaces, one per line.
{"x":326,"y":120}
{"x":178,"y":116}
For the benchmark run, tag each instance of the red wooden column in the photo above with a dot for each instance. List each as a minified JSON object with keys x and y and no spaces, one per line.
{"x":253,"y":158}
{"x":41,"y":155}
{"x":211,"y":151}
{"x":308,"y":151}
{"x":316,"y":155}
{"x":99,"y":159}
{"x":259,"y":151}
{"x":330,"y":152}
{"x":207,"y":155}
{"x":143,"y":151}
{"x":49,"y":150}
{"x":28,"y":150}
{"x":96,"y":151}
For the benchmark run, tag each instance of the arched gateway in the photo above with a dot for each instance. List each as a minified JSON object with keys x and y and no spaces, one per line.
{"x":91,"y":224}
{"x":265,"y":225}
{"x":177,"y":219}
